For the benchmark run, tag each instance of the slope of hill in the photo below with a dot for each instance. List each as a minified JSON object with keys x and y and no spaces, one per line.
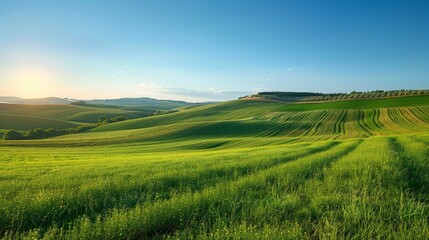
{"x":24,"y":114}
{"x":20,"y":122}
{"x":275,"y":120}
{"x":407,"y":101}
{"x":232,"y":170}
{"x":23,"y":117}
{"x":239,"y":121}
{"x":315,"y":97}
{"x":237,"y":169}
{"x":232,"y":110}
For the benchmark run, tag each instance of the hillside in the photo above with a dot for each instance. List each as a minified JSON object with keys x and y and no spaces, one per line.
{"x":265,"y":119}
{"x":243,"y":120}
{"x":320,"y":97}
{"x":24,"y":114}
{"x":229,"y":170}
{"x":23,"y":117}
{"x":20,"y":122}
{"x":405,"y":101}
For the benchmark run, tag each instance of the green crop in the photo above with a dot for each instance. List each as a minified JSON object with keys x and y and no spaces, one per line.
{"x":235,"y":170}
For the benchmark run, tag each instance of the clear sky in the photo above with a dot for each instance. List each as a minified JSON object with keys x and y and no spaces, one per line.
{"x":210,"y":49}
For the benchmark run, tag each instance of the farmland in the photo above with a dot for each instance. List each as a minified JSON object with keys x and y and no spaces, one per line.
{"x":234,"y":170}
{"x":362,"y":104}
{"x":25,"y":117}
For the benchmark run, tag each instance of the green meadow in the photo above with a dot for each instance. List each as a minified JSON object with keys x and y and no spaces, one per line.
{"x":25,"y":117}
{"x":352,"y":169}
{"x":361,"y":104}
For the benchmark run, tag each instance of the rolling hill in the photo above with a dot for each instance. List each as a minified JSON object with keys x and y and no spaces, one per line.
{"x":24,"y":114}
{"x":23,"y":117}
{"x":405,"y":101}
{"x":232,"y":170}
{"x":342,"y":119}
{"x":243,"y":120}
{"x":321,"y":97}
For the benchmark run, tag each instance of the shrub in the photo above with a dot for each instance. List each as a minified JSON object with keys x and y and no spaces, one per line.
{"x":84,"y":128}
{"x":52,"y":132}
{"x":118,"y":119}
{"x":13,"y":135}
{"x":102,"y":119}
{"x":37,"y":133}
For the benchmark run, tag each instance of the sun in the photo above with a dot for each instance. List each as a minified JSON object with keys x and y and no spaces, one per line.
{"x":33,"y":81}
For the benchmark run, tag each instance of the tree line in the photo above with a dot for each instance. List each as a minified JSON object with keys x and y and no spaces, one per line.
{"x":311,"y":96}
{"x":39,"y":133}
{"x":96,"y":105}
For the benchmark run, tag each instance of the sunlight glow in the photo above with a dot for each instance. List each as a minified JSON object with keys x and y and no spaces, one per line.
{"x":33,"y":81}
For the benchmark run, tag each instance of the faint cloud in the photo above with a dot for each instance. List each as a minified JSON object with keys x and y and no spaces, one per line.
{"x":291,"y":68}
{"x":153,"y":90}
{"x":119,"y":72}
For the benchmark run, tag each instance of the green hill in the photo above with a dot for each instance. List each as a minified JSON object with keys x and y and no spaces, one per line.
{"x":19,"y":116}
{"x":408,"y":101}
{"x":232,"y":110}
{"x":243,"y":119}
{"x":24,"y":114}
{"x":235,"y":170}
{"x":351,"y":119}
{"x":20,"y":122}
{"x":317,"y":97}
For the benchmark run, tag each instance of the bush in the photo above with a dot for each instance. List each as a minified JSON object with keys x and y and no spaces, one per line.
{"x":118,"y":119}
{"x":37,"y":133}
{"x":102,"y":119}
{"x":52,"y":132}
{"x":84,"y":128}
{"x":13,"y":135}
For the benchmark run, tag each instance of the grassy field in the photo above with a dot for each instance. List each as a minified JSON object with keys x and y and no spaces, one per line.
{"x":408,"y":101}
{"x":20,"y":122}
{"x":234,"y":170}
{"x":25,"y":117}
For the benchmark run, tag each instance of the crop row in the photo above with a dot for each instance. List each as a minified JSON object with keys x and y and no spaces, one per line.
{"x":366,"y":189}
{"x":351,"y":123}
{"x":45,"y":189}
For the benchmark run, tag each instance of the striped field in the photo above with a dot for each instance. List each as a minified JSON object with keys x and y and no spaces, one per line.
{"x":25,"y":117}
{"x":234,"y":170}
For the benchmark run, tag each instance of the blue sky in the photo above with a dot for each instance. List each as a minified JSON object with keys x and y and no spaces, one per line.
{"x":210,"y":50}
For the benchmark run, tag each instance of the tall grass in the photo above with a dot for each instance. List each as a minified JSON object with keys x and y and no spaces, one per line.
{"x":331,"y":189}
{"x":333,"y":174}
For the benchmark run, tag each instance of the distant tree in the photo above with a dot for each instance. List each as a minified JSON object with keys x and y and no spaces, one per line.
{"x":70,"y":130}
{"x":37,"y":133}
{"x":102,"y":119}
{"x":78,"y":103}
{"x":52,"y":132}
{"x":84,"y":128}
{"x":118,"y":119}
{"x":13,"y":135}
